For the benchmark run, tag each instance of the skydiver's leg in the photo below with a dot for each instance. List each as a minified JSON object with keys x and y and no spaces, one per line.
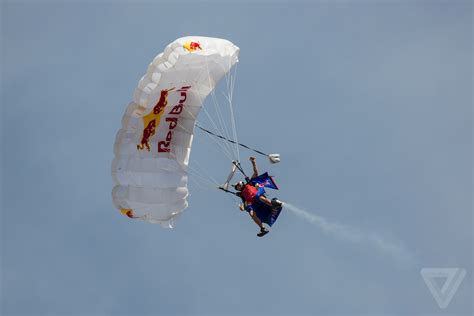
{"x":256,"y":219}
{"x":263,"y":229}
{"x":265,"y":200}
{"x":274,"y":203}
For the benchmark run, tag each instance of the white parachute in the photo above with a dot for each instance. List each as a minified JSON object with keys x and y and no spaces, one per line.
{"x":152,"y":148}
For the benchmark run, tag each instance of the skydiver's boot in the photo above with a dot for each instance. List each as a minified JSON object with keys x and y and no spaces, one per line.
{"x":263,"y":232}
{"x":277,"y":203}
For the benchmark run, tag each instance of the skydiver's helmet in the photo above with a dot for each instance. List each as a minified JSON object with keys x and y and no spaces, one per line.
{"x":239,"y":186}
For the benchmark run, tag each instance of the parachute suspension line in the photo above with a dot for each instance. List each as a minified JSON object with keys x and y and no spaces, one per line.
{"x":201,"y":179}
{"x":232,"y":196}
{"x":220,"y":117}
{"x":202,"y":175}
{"x":231,"y":108}
{"x":213,"y":180}
{"x":231,"y":141}
{"x":226,"y":150}
{"x":237,"y":164}
{"x":223,"y":128}
{"x":200,"y":183}
{"x":230,"y":81}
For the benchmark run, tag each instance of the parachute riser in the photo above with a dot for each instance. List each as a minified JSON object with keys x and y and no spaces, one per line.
{"x":228,"y":191}
{"x":236,"y":165}
{"x":239,"y":167}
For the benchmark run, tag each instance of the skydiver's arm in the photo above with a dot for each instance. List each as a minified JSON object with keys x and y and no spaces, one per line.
{"x":254,"y":166}
{"x":241,"y":205}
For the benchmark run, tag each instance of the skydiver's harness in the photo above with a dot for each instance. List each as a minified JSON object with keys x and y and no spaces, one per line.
{"x":274,"y":158}
{"x":225,"y":187}
{"x":258,"y":183}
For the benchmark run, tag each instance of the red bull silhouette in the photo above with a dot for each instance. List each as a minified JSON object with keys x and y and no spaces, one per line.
{"x":192,"y":46}
{"x":148,"y":132}
{"x":152,"y":120}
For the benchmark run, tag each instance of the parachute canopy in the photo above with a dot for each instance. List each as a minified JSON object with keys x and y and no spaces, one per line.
{"x":152,"y":148}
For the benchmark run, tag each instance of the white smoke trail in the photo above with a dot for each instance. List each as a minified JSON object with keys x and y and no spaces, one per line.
{"x":350,"y":234}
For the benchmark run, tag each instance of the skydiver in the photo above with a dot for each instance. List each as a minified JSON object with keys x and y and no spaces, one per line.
{"x":251,"y":194}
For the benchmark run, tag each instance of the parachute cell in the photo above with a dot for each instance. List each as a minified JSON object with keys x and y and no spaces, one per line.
{"x":153,"y":146}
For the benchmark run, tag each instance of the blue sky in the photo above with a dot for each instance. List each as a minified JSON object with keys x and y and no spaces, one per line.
{"x":369,"y":104}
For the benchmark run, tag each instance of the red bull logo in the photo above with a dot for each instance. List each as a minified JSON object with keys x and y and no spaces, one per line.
{"x":172,"y":119}
{"x":127,"y":212}
{"x":152,"y":120}
{"x":192,"y":46}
